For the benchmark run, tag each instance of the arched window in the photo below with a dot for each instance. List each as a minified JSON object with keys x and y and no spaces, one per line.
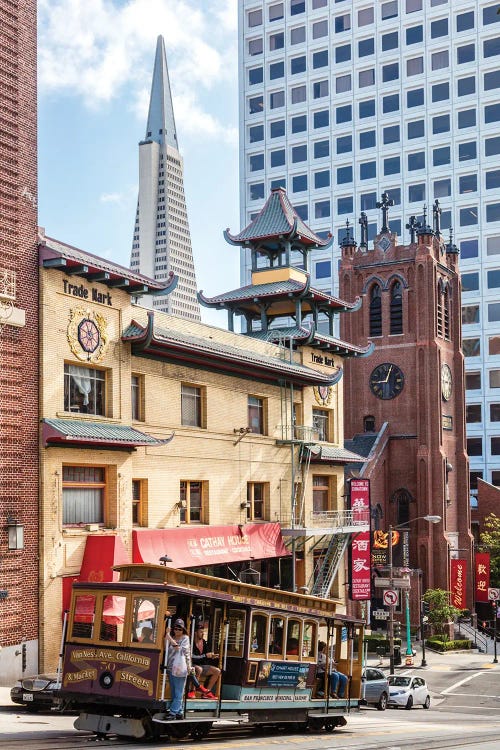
{"x":369,"y":423}
{"x":402,"y":499}
{"x":446,"y":312}
{"x":396,"y":308}
{"x":375,"y":311}
{"x":440,"y":312}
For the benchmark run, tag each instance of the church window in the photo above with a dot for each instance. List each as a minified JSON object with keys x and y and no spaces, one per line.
{"x":402,"y":500}
{"x":375,"y":311}
{"x":446,"y":311}
{"x":369,"y":423}
{"x":396,"y":312}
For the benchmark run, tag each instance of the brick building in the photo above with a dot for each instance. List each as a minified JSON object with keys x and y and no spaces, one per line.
{"x":408,"y":397}
{"x":18,"y":340}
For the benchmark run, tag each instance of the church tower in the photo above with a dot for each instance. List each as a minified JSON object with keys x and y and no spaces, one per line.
{"x":410,"y":392}
{"x":162,"y":242}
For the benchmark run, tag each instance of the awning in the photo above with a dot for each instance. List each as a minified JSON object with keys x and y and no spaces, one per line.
{"x":102,"y":552}
{"x":71,"y":432}
{"x":194,"y":546}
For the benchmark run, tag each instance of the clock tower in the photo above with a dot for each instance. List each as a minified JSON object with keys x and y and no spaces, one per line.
{"x":409,"y":394}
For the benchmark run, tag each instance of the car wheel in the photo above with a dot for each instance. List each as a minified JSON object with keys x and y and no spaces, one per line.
{"x":427,"y":703}
{"x":382,"y":704}
{"x":409,"y":703}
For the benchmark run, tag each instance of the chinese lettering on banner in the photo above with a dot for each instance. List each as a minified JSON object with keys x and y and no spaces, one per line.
{"x":458,"y":575}
{"x":360,"y":552}
{"x":482,"y":576}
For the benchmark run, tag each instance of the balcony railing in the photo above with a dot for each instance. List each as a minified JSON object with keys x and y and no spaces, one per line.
{"x":7,"y":285}
{"x":329,"y":519}
{"x":298,"y":432}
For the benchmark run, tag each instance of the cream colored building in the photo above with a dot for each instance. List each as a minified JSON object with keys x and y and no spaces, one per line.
{"x":154,"y":427}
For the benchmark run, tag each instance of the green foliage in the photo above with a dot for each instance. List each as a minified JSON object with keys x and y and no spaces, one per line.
{"x":439,"y":644}
{"x":441,"y":611}
{"x":490,"y":542}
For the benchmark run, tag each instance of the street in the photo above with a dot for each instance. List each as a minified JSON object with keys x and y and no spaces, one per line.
{"x":465,"y":712}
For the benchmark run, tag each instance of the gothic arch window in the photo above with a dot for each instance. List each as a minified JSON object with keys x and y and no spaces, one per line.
{"x":446,"y":313}
{"x":440,"y":310}
{"x":396,"y":308}
{"x":402,"y":499}
{"x":369,"y":423}
{"x":375,"y":311}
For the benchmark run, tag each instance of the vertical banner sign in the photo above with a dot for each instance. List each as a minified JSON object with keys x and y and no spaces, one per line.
{"x":360,"y":549}
{"x":482,"y":576}
{"x":458,"y":574}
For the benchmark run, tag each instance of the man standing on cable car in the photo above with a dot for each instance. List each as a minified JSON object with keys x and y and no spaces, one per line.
{"x":200,"y":658}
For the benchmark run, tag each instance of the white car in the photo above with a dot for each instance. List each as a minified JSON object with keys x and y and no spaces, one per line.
{"x":408,"y":691}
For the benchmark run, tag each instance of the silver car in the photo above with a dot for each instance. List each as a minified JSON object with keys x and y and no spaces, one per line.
{"x":374,"y":688}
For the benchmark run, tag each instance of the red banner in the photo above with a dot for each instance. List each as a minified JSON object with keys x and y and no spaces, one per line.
{"x":458,"y":580}
{"x":360,"y":551}
{"x":482,"y":576}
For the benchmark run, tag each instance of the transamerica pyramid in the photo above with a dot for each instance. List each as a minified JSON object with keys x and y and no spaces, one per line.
{"x":162,"y":241}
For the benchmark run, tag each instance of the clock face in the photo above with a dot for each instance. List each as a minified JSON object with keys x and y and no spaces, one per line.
{"x":88,"y":335}
{"x":387,"y":381}
{"x":446,"y":382}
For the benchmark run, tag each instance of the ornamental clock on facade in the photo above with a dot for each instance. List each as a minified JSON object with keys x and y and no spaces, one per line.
{"x":386,"y":381}
{"x":446,"y":382}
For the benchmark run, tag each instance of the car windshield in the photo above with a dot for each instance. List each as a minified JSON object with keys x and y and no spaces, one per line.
{"x":400,"y":681}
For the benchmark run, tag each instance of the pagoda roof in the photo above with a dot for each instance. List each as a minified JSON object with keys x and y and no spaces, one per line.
{"x":75,"y":262}
{"x":85,"y":433}
{"x":248,"y":297}
{"x":308,"y":335}
{"x":212,"y":353}
{"x":330,"y":454}
{"x":276,"y":219}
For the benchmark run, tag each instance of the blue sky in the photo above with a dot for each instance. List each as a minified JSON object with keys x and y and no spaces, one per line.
{"x":95,"y":67}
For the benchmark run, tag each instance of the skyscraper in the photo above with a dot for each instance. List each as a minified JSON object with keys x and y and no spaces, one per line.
{"x":162,"y":242}
{"x":340,"y":101}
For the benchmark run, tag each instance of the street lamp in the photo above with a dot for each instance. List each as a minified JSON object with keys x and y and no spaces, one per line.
{"x":429,"y":519}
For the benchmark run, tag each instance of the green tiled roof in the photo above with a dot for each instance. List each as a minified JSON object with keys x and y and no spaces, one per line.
{"x":277,"y":217}
{"x":273,"y":289}
{"x":82,"y":430}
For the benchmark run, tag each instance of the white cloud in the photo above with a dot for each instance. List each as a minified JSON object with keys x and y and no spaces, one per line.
{"x":111,"y":198}
{"x":103,"y":49}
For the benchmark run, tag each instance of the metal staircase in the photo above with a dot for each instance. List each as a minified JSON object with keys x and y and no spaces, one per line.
{"x":323,"y":576}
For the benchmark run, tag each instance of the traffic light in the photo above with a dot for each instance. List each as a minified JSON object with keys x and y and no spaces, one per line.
{"x":426,"y":608}
{"x":397,"y":630}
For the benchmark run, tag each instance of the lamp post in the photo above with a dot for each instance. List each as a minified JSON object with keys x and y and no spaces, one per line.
{"x":429,"y":519}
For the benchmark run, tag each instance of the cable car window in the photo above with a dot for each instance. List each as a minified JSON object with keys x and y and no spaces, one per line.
{"x":276,"y":636}
{"x":113,"y":617}
{"x":84,"y":616}
{"x":293,"y":639}
{"x":236,"y":633}
{"x":310,"y":641}
{"x":144,"y":619}
{"x":258,"y":635}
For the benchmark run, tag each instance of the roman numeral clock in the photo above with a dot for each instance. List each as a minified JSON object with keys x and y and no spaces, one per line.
{"x":386,"y":381}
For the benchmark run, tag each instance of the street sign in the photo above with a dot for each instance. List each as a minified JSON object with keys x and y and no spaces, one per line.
{"x":391,"y":597}
{"x":381,"y":614}
{"x":396,"y":583}
{"x":493,"y":595}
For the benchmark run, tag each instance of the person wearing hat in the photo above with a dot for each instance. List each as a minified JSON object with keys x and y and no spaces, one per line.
{"x":178,"y":644}
{"x":201,"y":656}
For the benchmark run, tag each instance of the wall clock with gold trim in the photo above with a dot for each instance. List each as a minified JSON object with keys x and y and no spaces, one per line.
{"x":87,"y":334}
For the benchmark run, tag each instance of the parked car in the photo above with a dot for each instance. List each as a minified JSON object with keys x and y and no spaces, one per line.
{"x":374,"y":688}
{"x":37,"y":693}
{"x":408,"y":692}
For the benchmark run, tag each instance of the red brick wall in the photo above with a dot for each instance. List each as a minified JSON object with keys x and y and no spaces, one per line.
{"x":19,"y":346}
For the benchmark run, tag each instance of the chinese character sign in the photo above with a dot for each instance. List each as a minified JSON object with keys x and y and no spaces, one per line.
{"x":360,"y":550}
{"x":458,"y":579}
{"x":482,"y":576}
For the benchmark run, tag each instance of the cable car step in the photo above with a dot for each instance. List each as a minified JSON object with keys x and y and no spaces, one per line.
{"x":208,"y":718}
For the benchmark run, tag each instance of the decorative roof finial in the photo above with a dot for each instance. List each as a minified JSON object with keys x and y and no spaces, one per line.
{"x":384,"y":205}
{"x":348,"y":241}
{"x":412,"y":225}
{"x":363,"y":222}
{"x":451,"y":248}
{"x":436,"y":210}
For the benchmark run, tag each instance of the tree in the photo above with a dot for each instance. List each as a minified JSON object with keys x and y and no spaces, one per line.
{"x":490,"y":542}
{"x":441,"y":611}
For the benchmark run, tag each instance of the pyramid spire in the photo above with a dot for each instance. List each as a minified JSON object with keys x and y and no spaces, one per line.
{"x":161,"y":121}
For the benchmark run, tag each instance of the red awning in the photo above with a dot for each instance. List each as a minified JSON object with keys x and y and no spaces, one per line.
{"x":101,"y":554}
{"x":194,"y":546}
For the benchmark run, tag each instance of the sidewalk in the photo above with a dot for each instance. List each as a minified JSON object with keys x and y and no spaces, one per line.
{"x":447,"y":661}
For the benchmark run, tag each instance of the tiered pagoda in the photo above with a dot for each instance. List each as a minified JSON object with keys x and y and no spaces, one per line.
{"x":280,"y":305}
